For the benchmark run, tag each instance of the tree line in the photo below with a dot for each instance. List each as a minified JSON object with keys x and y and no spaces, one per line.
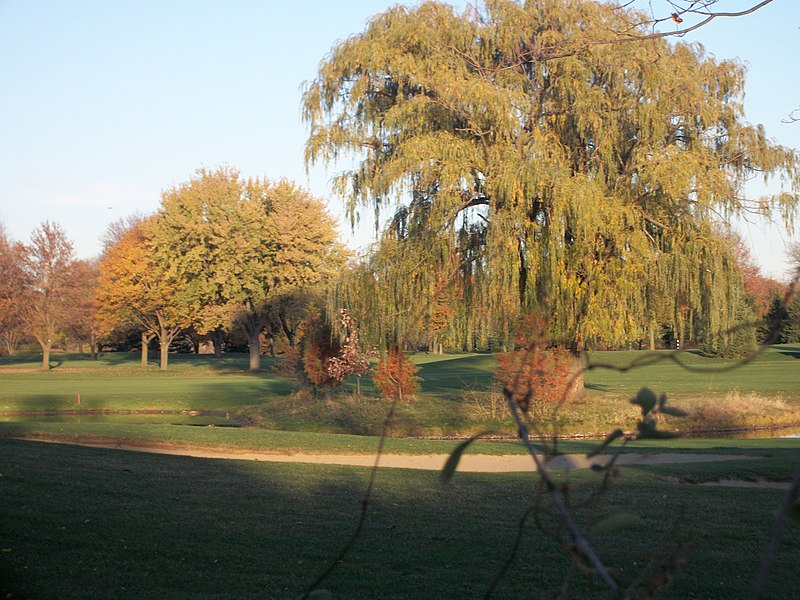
{"x":223,"y":253}
{"x":523,"y":164}
{"x":226,"y":254}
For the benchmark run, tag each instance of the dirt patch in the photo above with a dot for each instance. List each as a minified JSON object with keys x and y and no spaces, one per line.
{"x":474,"y":463}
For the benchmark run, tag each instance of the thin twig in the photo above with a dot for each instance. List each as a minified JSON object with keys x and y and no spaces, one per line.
{"x":771,"y":548}
{"x":364,"y":506}
{"x":579,"y":538}
{"x":514,"y":549}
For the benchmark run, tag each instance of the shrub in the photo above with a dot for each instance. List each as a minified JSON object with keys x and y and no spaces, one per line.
{"x":395,"y":376}
{"x":317,"y":346}
{"x":537,"y":377}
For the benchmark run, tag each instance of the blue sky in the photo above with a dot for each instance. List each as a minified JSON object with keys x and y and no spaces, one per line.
{"x":105,"y":104}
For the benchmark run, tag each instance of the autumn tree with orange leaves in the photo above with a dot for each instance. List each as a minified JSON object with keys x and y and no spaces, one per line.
{"x":395,"y":376}
{"x":47,"y":265}
{"x":352,"y":360}
{"x":82,"y":326}
{"x":12,"y":293}
{"x":136,"y":290}
{"x":537,"y":377}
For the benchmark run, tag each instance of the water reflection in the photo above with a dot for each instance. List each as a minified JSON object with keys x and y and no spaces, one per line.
{"x":131,"y":418}
{"x":778,"y":432}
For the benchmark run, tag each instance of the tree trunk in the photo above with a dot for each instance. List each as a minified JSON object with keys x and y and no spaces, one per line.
{"x":163,"y":342}
{"x":576,"y":375}
{"x":652,"y":337}
{"x":145,"y":343}
{"x":46,"y":346}
{"x":254,"y":346}
{"x":216,"y":339}
{"x":93,"y":346}
{"x":164,"y":360}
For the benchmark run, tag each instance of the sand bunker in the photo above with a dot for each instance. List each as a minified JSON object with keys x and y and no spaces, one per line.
{"x":473,"y":463}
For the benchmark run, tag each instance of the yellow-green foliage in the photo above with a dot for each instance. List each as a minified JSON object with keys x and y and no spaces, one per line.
{"x":534,"y":166}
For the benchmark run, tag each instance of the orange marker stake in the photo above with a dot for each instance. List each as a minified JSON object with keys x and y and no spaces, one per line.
{"x":79,"y":398}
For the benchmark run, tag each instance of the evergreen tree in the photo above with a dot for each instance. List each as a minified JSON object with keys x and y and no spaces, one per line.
{"x":740,"y":340}
{"x":793,"y":321}
{"x":776,"y":323}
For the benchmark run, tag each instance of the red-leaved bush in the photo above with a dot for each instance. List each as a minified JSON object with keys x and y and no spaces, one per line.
{"x":318,"y":346}
{"x":538,"y":377}
{"x":395,"y":376}
{"x":351,"y":360}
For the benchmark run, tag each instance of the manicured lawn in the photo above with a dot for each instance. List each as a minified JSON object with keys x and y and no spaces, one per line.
{"x":775,"y":371}
{"x":456,"y":399}
{"x":265,"y":440}
{"x":118,"y":382}
{"x":93,"y":523}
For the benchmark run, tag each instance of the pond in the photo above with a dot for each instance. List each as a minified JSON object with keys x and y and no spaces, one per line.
{"x":129,"y":417}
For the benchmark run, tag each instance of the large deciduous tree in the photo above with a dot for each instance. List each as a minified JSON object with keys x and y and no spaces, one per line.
{"x":759,"y":289}
{"x":13,"y":286}
{"x":137,"y":290}
{"x":81,"y":312}
{"x":534,"y":167}
{"x":47,"y":264}
{"x":241,"y":245}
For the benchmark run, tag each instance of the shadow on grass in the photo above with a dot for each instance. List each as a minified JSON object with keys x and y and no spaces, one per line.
{"x":598,"y":387}
{"x":235,"y":362}
{"x":227,"y":363}
{"x":475,"y":371}
{"x":49,"y":402}
{"x":93,"y":523}
{"x":792,"y":351}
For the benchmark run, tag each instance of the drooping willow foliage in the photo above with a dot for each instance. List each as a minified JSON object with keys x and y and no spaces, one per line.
{"x":534,"y":169}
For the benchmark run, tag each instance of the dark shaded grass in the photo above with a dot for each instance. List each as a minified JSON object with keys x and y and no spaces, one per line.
{"x":91,"y":523}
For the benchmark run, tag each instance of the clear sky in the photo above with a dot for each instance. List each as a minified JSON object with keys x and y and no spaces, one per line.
{"x":105,"y":104}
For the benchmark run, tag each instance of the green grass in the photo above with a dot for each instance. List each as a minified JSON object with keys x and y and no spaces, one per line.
{"x":238,"y":440}
{"x":93,"y":523}
{"x":118,"y":382}
{"x":775,"y":371}
{"x":455,"y":399}
{"x":264,"y":440}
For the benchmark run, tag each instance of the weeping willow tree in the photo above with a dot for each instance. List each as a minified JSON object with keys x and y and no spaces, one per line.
{"x":536,"y":163}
